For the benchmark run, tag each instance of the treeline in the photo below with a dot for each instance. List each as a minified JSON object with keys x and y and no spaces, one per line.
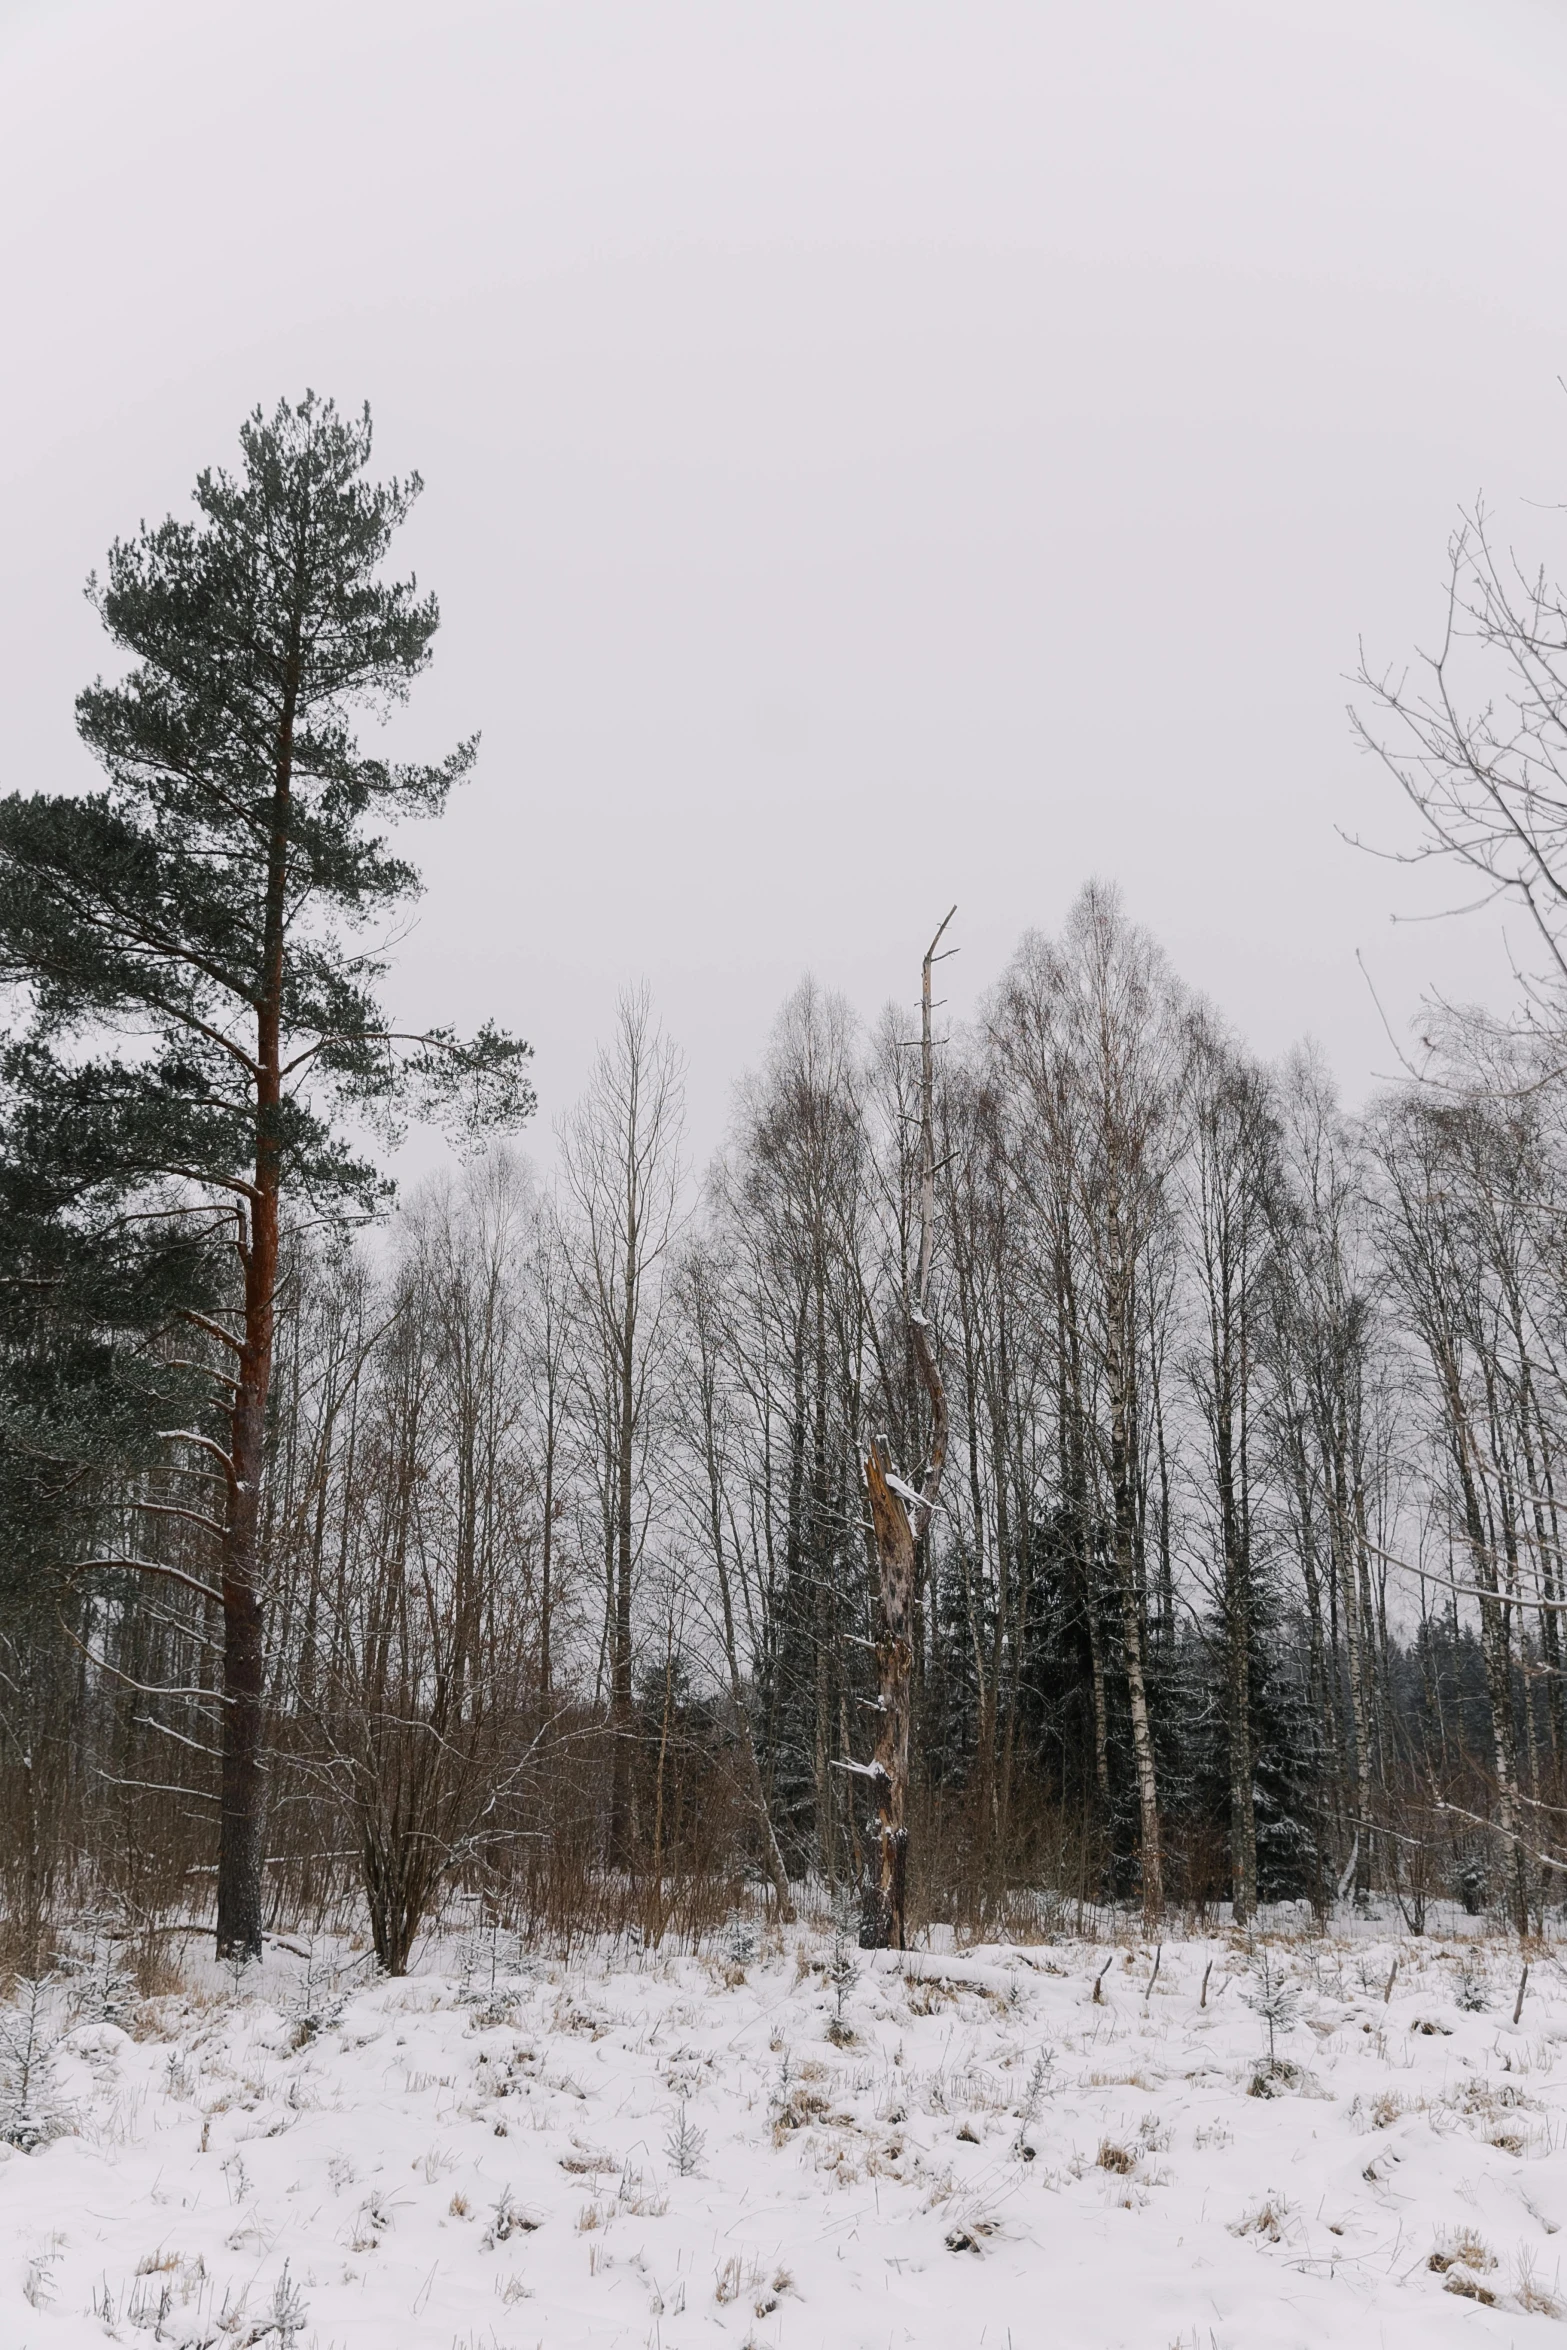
{"x":521,"y":1547}
{"x":1246,"y":1585}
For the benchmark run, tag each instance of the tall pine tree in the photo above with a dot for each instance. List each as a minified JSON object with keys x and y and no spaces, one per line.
{"x":191,"y":930}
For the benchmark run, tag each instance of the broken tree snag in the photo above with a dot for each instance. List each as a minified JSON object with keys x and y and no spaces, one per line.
{"x":895,"y":1674}
{"x":899,"y":1518}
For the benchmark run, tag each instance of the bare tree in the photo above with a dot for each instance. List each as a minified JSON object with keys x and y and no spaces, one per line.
{"x":1436,"y":1161}
{"x":547,"y":1310}
{"x":622,"y":1169}
{"x":790,"y":1205}
{"x":1091,"y":1035}
{"x":423,"y":1709}
{"x":1001,"y":1323}
{"x":1478,"y":742}
{"x":1233,"y":1169}
{"x":1325,"y":1339}
{"x":706,"y":1406}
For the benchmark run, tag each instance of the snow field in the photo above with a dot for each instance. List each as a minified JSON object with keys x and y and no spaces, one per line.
{"x":651,"y":2149}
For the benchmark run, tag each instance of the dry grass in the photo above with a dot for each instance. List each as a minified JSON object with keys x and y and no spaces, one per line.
{"x":1459,"y":2280}
{"x":1534,"y":2297}
{"x":1461,"y":2248}
{"x":797,"y":2104}
{"x":1269,"y":2222}
{"x":927,"y":1994}
{"x":642,"y":2197}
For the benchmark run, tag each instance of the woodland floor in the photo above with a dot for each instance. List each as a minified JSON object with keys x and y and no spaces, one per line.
{"x":651,"y":2149}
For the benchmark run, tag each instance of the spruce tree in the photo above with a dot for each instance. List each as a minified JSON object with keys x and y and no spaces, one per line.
{"x":86,"y":1290}
{"x":87,"y":1294}
{"x":195,"y":931}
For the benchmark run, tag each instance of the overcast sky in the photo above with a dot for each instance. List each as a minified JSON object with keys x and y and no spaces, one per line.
{"x":875,"y":455}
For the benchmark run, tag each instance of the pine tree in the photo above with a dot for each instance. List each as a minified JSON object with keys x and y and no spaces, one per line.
{"x":191,"y":929}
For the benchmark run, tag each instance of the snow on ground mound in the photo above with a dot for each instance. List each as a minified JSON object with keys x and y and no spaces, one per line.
{"x":673,"y":2151}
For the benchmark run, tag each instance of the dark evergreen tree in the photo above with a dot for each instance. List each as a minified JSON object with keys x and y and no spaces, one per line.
{"x":87,"y":1295}
{"x":192,"y":929}
{"x":1288,"y":1771}
{"x":1070,"y":1636}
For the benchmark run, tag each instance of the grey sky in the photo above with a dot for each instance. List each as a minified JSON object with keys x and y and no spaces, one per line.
{"x":876,"y":455}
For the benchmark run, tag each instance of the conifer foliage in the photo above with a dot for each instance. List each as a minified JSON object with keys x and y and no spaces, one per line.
{"x":204,"y":1011}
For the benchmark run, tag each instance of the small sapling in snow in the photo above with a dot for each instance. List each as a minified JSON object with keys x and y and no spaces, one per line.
{"x":1471,"y":1989}
{"x":684,"y":2146}
{"x":1276,"y":2000}
{"x":31,"y":2112}
{"x":507,"y":2221}
{"x":288,"y":2312}
{"x":1038,"y":2081}
{"x":105,"y":1989}
{"x":842,"y":1975}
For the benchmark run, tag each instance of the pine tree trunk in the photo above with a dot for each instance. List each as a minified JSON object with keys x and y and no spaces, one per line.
{"x":242,"y":1835}
{"x":241,"y":1857}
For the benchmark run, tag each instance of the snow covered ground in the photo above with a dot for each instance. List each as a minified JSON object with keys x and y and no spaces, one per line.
{"x":672,"y":2151}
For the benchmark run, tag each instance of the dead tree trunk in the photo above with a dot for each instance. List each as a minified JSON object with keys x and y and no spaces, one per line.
{"x":899,"y":1517}
{"x":895,"y":1675}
